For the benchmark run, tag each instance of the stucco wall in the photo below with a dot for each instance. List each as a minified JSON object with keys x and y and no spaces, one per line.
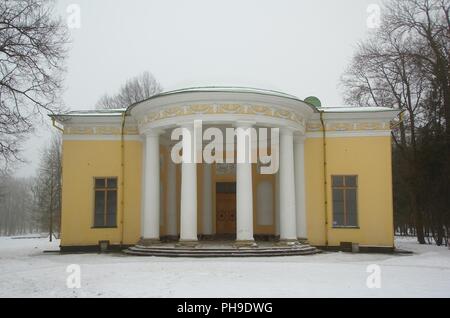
{"x":370,"y":159}
{"x":84,"y":160}
{"x":367,"y":157}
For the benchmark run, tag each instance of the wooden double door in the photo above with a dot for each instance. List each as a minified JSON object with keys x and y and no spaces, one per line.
{"x":226,"y":208}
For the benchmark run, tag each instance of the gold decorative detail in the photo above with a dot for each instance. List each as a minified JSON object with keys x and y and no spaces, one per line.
{"x":283,"y":114}
{"x":369,"y":126}
{"x":299,"y":119}
{"x":313,"y":127}
{"x":237,"y":109}
{"x":80,"y":130}
{"x":340,"y":127}
{"x":100,"y":130}
{"x":107,"y":130}
{"x":260,"y":110}
{"x":230,"y":109}
{"x":172,"y":112}
{"x":346,"y":126}
{"x":199,"y":109}
{"x":131,"y":131}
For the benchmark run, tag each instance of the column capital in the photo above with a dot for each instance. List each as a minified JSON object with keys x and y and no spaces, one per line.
{"x":152,"y":132}
{"x":287,"y":131}
{"x":299,"y":139}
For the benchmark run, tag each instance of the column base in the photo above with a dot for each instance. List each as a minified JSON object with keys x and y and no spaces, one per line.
{"x":149,"y":242}
{"x":287,"y":242}
{"x":302,"y":240}
{"x":187,"y":243}
{"x":245,"y":243}
{"x":169,"y":238}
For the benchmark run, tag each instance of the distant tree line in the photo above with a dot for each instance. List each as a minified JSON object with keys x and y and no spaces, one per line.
{"x":33,"y":205}
{"x":405,"y":64}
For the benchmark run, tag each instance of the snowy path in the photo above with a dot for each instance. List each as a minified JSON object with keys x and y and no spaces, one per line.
{"x":25,"y":271}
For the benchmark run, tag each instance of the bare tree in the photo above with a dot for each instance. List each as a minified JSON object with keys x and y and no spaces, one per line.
{"x":135,"y":90}
{"x":32,"y":50}
{"x":47,"y":189}
{"x":404,"y":65}
{"x":15,"y":206}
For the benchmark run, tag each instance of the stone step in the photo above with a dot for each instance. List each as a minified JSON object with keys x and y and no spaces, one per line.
{"x":206,"y":251}
{"x":187,"y":248}
{"x":220,"y":252}
{"x":199,"y":255}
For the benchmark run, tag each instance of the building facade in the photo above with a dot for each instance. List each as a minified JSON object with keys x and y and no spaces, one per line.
{"x":333,"y":184}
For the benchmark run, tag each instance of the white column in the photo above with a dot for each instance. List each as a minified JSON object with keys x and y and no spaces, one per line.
{"x":244,"y":191}
{"x":151,"y":196}
{"x":188,"y":211}
{"x":171,"y":198}
{"x":207,"y":219}
{"x":288,"y":225}
{"x":300,"y":198}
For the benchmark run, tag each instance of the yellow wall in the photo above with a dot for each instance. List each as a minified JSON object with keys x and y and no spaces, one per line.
{"x":367,"y":157}
{"x":84,"y":160}
{"x":370,"y":159}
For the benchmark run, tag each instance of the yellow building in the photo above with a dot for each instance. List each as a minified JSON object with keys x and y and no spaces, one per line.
{"x":331,"y":186}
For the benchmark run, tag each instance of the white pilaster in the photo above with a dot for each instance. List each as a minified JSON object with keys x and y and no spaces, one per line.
{"x":288,"y":225}
{"x":300,"y":198}
{"x":171,"y":198}
{"x":244,"y":189}
{"x":188,"y":212}
{"x":151,"y":196}
{"x":277,"y":203}
{"x":207,"y":200}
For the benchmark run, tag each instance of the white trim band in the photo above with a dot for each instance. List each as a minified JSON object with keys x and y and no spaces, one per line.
{"x":102,"y":137}
{"x":343,"y":134}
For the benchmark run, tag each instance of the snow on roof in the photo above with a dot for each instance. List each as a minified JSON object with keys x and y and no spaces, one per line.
{"x":355,"y":109}
{"x":235,"y":89}
{"x":120,"y":111}
{"x":95,"y":112}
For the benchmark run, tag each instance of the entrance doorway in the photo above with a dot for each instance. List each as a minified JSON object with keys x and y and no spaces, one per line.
{"x":226,"y":209}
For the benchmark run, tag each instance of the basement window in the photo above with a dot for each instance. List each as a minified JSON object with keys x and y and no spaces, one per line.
{"x":105,"y":205}
{"x":345,"y":212}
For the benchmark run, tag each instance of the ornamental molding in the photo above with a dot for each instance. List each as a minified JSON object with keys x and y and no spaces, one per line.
{"x":349,"y":126}
{"x":112,"y":130}
{"x":222,"y":109}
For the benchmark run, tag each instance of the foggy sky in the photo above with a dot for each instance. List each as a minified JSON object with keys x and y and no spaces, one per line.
{"x":300,"y":47}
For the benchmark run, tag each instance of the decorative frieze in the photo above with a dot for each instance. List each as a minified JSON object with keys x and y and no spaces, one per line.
{"x":103,"y":130}
{"x":211,"y":109}
{"x":336,"y":126}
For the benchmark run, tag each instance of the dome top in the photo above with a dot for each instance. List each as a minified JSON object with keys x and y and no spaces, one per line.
{"x":238,"y":89}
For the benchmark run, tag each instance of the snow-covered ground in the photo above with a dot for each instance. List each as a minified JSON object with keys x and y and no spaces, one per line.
{"x":25,"y":271}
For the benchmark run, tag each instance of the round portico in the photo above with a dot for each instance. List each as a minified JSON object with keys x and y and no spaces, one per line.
{"x":221,"y":108}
